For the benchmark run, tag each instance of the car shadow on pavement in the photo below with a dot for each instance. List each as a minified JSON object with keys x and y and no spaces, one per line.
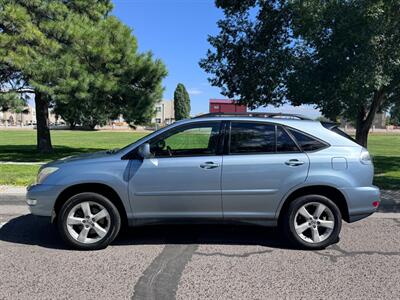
{"x":32,"y":230}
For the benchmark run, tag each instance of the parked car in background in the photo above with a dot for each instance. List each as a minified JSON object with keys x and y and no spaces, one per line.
{"x":267,"y":169}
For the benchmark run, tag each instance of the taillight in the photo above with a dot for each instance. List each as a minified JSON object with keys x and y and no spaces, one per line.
{"x":375,"y":203}
{"x":365,"y":158}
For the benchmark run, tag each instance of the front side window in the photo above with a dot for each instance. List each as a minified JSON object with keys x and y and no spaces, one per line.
{"x":252,"y":138}
{"x":194,"y":140}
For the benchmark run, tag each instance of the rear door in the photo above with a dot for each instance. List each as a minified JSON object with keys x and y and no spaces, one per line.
{"x":261,"y":163}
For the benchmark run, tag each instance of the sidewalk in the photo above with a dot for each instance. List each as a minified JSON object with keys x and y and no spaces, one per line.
{"x":22,"y":163}
{"x":390,"y":199}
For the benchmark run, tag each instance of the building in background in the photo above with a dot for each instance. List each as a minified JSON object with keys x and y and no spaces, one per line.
{"x":226,"y":106}
{"x":26,"y":117}
{"x":380,"y":120}
{"x":165,"y":113}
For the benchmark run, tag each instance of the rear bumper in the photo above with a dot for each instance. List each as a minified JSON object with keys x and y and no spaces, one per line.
{"x":360,"y":201}
{"x":41,"y":198}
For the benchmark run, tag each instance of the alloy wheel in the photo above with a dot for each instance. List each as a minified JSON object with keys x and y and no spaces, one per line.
{"x":314,"y":222}
{"x":88,"y":222}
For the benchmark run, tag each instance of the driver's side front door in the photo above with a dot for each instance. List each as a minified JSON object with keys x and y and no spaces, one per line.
{"x":183,"y":179}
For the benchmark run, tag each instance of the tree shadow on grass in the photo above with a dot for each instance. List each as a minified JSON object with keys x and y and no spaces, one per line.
{"x":31,"y":230}
{"x":383,"y":165}
{"x":28,"y":153}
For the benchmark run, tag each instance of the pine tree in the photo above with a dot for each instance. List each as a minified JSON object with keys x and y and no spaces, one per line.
{"x":181,"y":102}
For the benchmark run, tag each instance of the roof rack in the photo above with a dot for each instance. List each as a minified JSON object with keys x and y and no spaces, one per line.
{"x":254,"y":114}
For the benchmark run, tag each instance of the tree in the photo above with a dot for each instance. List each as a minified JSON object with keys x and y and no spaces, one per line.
{"x":110,"y":79}
{"x":250,"y":57}
{"x":342,"y":56}
{"x":73,"y":55}
{"x":181,"y":102}
{"x":34,"y":39}
{"x":354,"y":62}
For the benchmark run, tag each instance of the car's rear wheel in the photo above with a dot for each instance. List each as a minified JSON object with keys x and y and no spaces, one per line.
{"x":88,"y":221}
{"x":312,"y":222}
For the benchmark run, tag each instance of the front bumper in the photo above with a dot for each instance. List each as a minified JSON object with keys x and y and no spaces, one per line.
{"x":360,"y":201}
{"x":41,"y":198}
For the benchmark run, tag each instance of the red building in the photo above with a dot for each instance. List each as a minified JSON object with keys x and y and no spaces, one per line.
{"x":226,"y":106}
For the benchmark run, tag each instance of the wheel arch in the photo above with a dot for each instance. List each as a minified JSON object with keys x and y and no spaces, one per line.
{"x":98,"y":188}
{"x":324,"y":190}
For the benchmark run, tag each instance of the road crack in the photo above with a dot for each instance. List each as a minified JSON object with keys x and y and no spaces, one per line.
{"x":243,"y":255}
{"x":344,"y":254}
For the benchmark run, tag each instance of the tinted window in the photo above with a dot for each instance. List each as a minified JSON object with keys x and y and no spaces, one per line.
{"x":198,"y":139}
{"x":284,"y":142}
{"x":306,"y":142}
{"x":342,"y":133}
{"x":252,"y":138}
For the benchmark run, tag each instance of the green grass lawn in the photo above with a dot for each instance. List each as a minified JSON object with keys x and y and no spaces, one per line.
{"x":18,"y":174}
{"x":385,"y":150}
{"x":18,"y":145}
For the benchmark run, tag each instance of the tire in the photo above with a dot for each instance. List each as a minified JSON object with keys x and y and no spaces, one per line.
{"x":316,"y":233}
{"x":88,"y":221}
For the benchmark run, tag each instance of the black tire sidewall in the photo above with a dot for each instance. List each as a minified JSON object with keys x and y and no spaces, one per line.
{"x":291,"y":213}
{"x":115,"y":220}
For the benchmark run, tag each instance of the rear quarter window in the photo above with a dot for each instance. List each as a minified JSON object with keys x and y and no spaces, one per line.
{"x":307,"y":142}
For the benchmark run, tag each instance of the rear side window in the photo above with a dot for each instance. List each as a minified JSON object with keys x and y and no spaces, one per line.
{"x":306,"y":142}
{"x":252,"y":138}
{"x":284,"y":142}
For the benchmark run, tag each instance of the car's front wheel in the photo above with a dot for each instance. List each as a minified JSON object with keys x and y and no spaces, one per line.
{"x":89,"y":221}
{"x":313,"y":222}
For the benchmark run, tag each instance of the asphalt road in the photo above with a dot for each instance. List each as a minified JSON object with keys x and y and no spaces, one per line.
{"x":197,"y":262}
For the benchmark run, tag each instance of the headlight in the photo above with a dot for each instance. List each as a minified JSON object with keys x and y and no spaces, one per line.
{"x":42,"y":175}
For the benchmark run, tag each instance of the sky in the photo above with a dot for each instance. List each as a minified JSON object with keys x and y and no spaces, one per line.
{"x":176,"y":32}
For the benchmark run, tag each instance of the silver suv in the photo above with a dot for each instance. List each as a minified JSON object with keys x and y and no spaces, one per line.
{"x":265,"y":169}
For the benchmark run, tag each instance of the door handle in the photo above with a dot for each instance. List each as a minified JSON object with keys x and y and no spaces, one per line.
{"x":209,"y":165}
{"x":294,"y":162}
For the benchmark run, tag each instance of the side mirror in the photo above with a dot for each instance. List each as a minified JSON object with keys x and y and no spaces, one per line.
{"x":144,"y":151}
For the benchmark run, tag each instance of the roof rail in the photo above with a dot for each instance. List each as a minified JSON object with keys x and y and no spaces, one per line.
{"x":254,"y":114}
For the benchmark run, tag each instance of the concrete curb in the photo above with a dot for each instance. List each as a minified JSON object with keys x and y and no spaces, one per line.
{"x":10,"y":189}
{"x":38,"y":163}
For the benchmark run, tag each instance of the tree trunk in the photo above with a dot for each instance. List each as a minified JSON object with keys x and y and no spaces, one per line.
{"x":364,"y":121}
{"x":362,"y":130}
{"x":42,"y":124}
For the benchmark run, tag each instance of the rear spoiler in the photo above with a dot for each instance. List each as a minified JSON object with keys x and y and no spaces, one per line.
{"x":330,"y":125}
